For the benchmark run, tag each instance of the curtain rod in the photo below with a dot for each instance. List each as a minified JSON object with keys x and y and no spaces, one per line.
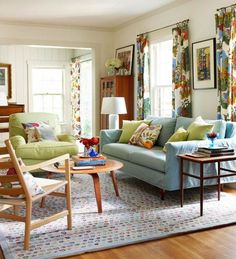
{"x":167,"y":26}
{"x":225,"y":7}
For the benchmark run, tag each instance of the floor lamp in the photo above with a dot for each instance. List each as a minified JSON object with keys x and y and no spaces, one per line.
{"x":113,"y":106}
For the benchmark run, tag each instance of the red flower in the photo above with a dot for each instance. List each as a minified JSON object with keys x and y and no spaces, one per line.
{"x":212,"y":135}
{"x":88,"y":142}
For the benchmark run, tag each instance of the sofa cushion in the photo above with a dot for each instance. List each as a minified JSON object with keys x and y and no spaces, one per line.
{"x":230,"y":129}
{"x":219,"y":127}
{"x":129,"y":128}
{"x":183,"y":122}
{"x":45,"y":150}
{"x":168,"y":128}
{"x":198,"y":129}
{"x":153,"y":158}
{"x":120,"y":150}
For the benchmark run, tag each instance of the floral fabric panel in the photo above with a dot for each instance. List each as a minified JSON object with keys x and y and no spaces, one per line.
{"x":226,"y":63}
{"x":75,"y":97}
{"x":143,"y":90}
{"x":136,"y":136}
{"x":181,"y":92}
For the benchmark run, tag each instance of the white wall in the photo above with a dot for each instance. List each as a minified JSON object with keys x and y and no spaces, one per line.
{"x":100,"y":42}
{"x":201,"y":26}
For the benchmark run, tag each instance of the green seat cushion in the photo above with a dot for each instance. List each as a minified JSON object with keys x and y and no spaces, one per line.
{"x":120,"y":150}
{"x":153,"y":158}
{"x":198,"y":129}
{"x":129,"y":128}
{"x":45,"y":150}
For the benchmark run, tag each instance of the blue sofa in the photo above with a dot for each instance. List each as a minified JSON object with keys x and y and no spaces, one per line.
{"x":162,"y":169}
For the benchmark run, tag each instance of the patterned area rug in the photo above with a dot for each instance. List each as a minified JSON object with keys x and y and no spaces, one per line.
{"x":137,"y":215}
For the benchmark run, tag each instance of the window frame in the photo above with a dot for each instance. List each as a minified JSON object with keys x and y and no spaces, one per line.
{"x":66,"y":81}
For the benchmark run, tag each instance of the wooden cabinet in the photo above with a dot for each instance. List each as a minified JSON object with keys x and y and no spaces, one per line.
{"x":117,"y":86}
{"x":5,"y":111}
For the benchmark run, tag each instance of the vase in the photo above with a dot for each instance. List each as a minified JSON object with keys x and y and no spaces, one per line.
{"x":212,"y":142}
{"x":111,"y":71}
{"x":87,"y":151}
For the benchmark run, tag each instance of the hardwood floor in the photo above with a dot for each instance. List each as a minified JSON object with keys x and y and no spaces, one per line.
{"x":217,"y":243}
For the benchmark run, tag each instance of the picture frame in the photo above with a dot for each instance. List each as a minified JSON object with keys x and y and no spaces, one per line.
{"x":204,"y":64}
{"x":5,"y":80}
{"x":126,"y":55}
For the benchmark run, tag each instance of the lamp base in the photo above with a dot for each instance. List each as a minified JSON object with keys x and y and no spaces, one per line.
{"x":113,"y":121}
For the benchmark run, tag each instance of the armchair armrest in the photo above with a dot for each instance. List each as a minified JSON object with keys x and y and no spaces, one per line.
{"x":65,"y":157}
{"x":17,"y":141}
{"x":109,"y":136}
{"x":66,"y":138}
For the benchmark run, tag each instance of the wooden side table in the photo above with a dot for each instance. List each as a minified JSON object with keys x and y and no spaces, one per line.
{"x":201,"y":161}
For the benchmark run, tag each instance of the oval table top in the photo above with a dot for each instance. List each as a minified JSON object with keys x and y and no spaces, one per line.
{"x":111,"y":165}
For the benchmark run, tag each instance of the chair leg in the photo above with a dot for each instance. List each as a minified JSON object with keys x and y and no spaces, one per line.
{"x":42,"y":203}
{"x":27,"y":224}
{"x":68,"y":205}
{"x":16,"y":209}
{"x":163,"y":194}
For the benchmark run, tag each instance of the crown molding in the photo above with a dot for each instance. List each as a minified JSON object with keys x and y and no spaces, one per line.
{"x":56,"y":26}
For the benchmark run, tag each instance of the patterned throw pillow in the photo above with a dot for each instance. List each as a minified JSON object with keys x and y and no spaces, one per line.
{"x":135,"y":137}
{"x":146,"y":136}
{"x":39,"y":131}
{"x":33,"y":187}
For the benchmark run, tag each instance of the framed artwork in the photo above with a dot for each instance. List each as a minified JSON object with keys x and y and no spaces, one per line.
{"x":204,"y":62}
{"x":5,"y":80}
{"x":125,"y":54}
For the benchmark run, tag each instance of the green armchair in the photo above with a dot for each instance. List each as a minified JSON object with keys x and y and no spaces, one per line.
{"x":32,"y":153}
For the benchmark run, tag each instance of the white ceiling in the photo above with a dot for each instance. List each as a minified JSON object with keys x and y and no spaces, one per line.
{"x":90,"y":13}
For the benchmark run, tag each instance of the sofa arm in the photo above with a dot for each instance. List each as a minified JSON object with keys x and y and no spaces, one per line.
{"x":182,"y":147}
{"x":109,"y":136}
{"x":66,"y":138}
{"x":16,"y":141}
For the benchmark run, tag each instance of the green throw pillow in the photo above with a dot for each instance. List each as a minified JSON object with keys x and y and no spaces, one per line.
{"x":129,"y":128}
{"x":198,"y":129}
{"x":180,"y":135}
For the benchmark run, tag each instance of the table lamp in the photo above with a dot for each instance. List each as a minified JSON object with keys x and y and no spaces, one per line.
{"x":113,"y":106}
{"x":3,"y":99}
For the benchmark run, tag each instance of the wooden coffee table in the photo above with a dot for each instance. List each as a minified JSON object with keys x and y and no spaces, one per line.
{"x":110,"y":166}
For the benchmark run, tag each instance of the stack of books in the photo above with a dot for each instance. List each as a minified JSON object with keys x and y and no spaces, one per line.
{"x":89,"y":161}
{"x":214,"y":151}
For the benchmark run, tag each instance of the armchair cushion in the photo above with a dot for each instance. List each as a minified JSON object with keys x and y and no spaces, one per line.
{"x":45,"y":150}
{"x":66,"y":138}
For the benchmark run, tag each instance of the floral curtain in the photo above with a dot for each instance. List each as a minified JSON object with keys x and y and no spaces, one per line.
{"x":75,"y":97}
{"x":143,"y":90}
{"x":226,"y":63}
{"x":181,"y":93}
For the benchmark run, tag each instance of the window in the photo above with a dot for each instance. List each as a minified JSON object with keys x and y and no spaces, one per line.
{"x":48,"y":90}
{"x":161,"y":78}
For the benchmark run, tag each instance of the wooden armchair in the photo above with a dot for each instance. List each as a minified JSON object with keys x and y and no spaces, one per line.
{"x":49,"y":186}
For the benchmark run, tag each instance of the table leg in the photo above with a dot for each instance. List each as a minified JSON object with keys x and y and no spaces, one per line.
{"x":181,"y":182}
{"x":114,"y":180}
{"x":201,"y":189}
{"x":97,"y":191}
{"x":218,"y":181}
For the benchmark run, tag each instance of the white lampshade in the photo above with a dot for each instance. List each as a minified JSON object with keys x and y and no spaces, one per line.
{"x":113,"y":105}
{"x":3,"y":99}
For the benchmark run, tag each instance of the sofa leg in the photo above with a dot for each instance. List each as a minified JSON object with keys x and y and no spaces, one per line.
{"x":222,"y":187}
{"x":163,"y":194}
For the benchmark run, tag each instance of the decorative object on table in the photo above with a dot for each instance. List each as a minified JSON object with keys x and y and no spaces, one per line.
{"x":3,"y":99}
{"x":5,"y":80}
{"x":113,"y":106}
{"x":212,"y":136}
{"x":125,"y":54}
{"x":203,"y":56}
{"x":113,"y":65}
{"x":88,"y":146}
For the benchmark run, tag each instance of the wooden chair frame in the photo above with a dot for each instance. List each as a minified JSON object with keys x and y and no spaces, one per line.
{"x":50,"y":187}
